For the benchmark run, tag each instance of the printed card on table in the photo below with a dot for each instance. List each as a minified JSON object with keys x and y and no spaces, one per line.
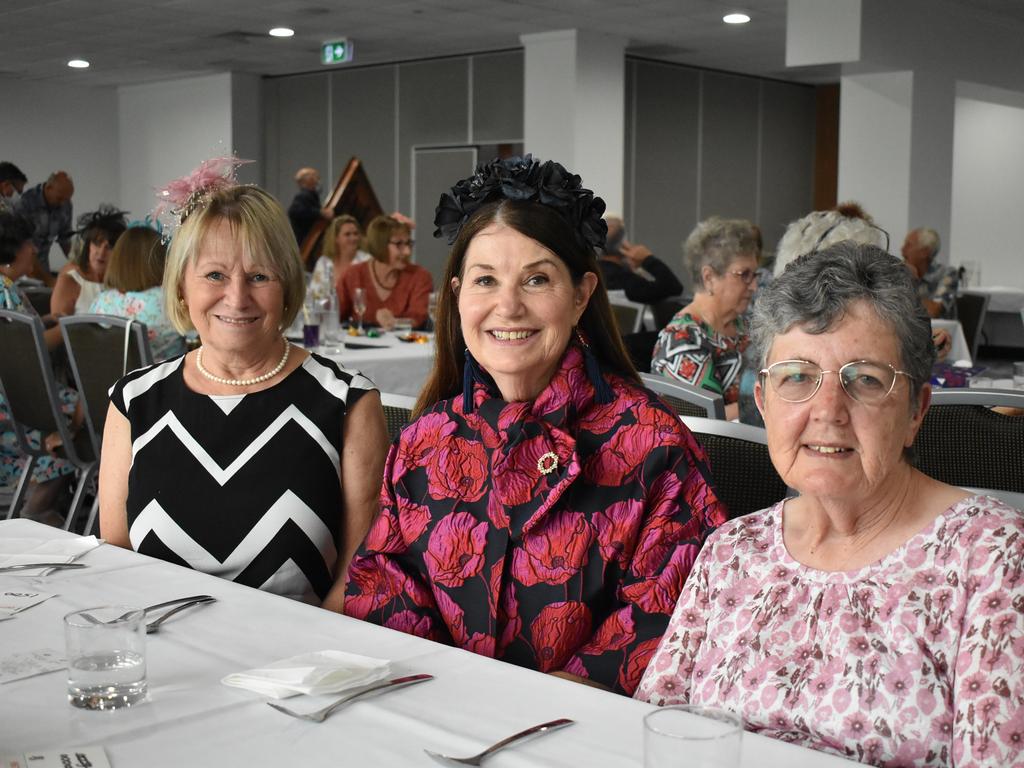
{"x":14,"y":600}
{"x":18,"y":666}
{"x":68,"y":757}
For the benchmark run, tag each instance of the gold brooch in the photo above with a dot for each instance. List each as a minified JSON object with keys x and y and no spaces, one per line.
{"x":547,"y":463}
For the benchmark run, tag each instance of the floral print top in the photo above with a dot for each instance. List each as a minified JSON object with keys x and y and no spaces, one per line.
{"x":575,"y":570}
{"x":916,"y":660}
{"x":147,"y":307}
{"x":690,"y":350}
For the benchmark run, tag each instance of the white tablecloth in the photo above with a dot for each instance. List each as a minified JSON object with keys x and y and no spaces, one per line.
{"x":396,"y":367}
{"x":191,"y":719}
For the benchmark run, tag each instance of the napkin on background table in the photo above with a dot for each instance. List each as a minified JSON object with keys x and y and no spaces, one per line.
{"x":15,"y":551}
{"x":313,"y":673}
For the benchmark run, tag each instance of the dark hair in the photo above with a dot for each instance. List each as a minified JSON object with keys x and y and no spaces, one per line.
{"x":15,"y":229}
{"x":10,"y":172}
{"x":549,"y":228}
{"x":106,"y":223}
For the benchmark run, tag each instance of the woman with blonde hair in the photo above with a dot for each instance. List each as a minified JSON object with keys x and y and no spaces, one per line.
{"x":342,"y":239}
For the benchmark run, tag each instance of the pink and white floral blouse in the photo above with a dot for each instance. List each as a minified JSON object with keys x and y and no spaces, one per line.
{"x":916,"y":660}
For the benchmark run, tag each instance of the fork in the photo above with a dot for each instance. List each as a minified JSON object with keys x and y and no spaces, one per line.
{"x":321,"y":714}
{"x":154,"y":626}
{"x":478,"y":759}
{"x":28,"y":566}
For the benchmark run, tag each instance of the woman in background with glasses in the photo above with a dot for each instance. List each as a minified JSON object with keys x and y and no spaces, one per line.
{"x":703,"y":344}
{"x":394,"y":286}
{"x":878,"y":615}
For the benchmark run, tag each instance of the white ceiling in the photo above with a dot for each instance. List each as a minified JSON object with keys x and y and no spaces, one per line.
{"x":137,"y":41}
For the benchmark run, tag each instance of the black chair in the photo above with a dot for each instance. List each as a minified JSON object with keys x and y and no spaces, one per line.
{"x":28,"y":385}
{"x":963,"y":442}
{"x":38,"y":296}
{"x":745,"y":479}
{"x":397,"y":412}
{"x":684,"y":399}
{"x":970,"y":310}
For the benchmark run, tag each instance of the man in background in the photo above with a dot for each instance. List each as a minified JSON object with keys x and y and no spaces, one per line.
{"x":634,"y":269}
{"x":48,"y":207}
{"x":305,"y":208}
{"x":936,"y":283}
{"x":12,"y":182}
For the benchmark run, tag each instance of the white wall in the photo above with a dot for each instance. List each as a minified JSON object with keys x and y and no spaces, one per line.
{"x":874,"y":147}
{"x":46,"y":127}
{"x":988,"y":186}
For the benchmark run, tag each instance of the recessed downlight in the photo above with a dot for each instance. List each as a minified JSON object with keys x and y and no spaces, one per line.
{"x":736,"y":18}
{"x":281,"y":32}
{"x":78,"y":64}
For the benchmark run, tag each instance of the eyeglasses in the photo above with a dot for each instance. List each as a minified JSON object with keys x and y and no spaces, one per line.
{"x":827,"y":232}
{"x":797,"y":381}
{"x":400,"y":243}
{"x":746,"y":275}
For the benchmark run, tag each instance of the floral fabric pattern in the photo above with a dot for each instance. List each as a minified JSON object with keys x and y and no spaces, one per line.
{"x":690,"y":350}
{"x":147,"y":307}
{"x":916,"y":660}
{"x":11,"y":457}
{"x":575,"y":570}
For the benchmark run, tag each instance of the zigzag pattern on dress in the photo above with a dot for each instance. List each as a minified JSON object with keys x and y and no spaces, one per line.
{"x":223,"y":474}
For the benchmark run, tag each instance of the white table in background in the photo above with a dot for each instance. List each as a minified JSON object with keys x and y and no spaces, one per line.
{"x":192,"y":719}
{"x":1004,"y":318}
{"x":959,"y":349}
{"x":396,"y":367}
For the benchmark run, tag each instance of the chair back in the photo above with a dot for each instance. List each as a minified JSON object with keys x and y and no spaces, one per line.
{"x":397,"y":412}
{"x":970,"y":311}
{"x":39,"y":297}
{"x":628,"y":314}
{"x":963,"y":442}
{"x":745,"y":478}
{"x":685,"y":399}
{"x":102,"y":349}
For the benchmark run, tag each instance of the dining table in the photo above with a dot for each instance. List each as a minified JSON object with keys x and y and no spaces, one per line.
{"x":396,"y":366}
{"x":190,"y":718}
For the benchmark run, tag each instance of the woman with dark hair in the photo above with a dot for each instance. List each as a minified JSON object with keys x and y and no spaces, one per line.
{"x":392,"y":284}
{"x":543,"y":508}
{"x":80,"y":281}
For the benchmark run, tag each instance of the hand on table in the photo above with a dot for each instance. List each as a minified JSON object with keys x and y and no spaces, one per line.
{"x":943,"y":343}
{"x":385,"y":318}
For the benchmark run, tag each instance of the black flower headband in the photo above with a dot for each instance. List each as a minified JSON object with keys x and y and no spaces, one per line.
{"x":523,"y":178}
{"x":107,"y":218}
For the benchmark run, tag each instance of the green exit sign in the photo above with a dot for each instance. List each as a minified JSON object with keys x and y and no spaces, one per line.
{"x":336,"y":52}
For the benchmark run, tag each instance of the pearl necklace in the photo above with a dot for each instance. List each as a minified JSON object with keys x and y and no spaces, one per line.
{"x":244,"y":382}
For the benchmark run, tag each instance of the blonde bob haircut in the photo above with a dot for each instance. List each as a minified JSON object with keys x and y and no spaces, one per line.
{"x":259,"y":223}
{"x":137,"y":261}
{"x":380,"y":231}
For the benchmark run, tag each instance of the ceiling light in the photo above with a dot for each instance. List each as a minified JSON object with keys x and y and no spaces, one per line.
{"x":281,"y":32}
{"x":736,"y":18}
{"x":78,"y":64}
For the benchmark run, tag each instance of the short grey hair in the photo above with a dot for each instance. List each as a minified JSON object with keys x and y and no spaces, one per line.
{"x":819,"y":230}
{"x":714,"y":243}
{"x":817,"y":289}
{"x":928,"y":238}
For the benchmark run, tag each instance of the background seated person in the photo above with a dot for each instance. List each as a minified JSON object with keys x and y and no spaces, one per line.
{"x":393,"y":285}
{"x":133,"y":289}
{"x":341,"y":240}
{"x":543,"y":508}
{"x":878,"y":614}
{"x":703,"y":344}
{"x":645,"y":278}
{"x":80,"y":281}
{"x":936,"y":283}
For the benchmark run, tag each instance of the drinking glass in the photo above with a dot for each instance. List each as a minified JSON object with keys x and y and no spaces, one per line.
{"x":1018,"y":375}
{"x":690,"y":736}
{"x":971,"y":274}
{"x":403,"y":326}
{"x":359,"y":306}
{"x":311,"y":330}
{"x":106,"y":650}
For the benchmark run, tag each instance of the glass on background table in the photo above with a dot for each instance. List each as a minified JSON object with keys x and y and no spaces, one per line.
{"x":692,"y":736}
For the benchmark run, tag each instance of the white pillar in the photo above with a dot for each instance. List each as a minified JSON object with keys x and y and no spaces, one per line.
{"x":574,"y":106}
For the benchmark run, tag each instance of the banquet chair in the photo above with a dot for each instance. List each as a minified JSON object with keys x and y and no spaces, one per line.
{"x":745,"y":479}
{"x":38,"y":296}
{"x":685,"y":399}
{"x":970,"y":311}
{"x":397,"y":411}
{"x":28,"y":386}
{"x":628,"y":314}
{"x":963,"y":442}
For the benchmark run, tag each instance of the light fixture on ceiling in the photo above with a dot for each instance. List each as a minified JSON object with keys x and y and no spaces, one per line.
{"x":78,"y":64}
{"x":281,"y":32}
{"x":736,"y":18}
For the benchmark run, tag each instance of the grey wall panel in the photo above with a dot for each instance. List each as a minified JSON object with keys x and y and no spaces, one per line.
{"x":271,"y":136}
{"x":664,"y":134}
{"x":301,"y":129}
{"x":787,"y":157}
{"x":497,"y":97}
{"x":430,"y":165}
{"x":363,"y":125}
{"x":433,"y":109}
{"x":729,"y":141}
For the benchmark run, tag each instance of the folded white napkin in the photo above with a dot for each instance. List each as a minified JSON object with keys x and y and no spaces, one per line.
{"x":311,"y":673}
{"x":15,"y":551}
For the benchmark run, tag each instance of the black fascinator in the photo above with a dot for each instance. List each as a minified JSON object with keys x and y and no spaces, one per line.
{"x":107,"y":219}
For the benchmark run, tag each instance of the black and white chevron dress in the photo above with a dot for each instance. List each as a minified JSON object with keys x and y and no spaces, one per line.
{"x":244,"y":487}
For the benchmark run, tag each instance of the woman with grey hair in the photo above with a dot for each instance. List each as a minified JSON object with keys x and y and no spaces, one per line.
{"x":878,"y":614}
{"x":703,"y":344}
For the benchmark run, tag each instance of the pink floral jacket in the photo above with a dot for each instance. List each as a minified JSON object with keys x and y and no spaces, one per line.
{"x":916,"y":660}
{"x":574,"y":570}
